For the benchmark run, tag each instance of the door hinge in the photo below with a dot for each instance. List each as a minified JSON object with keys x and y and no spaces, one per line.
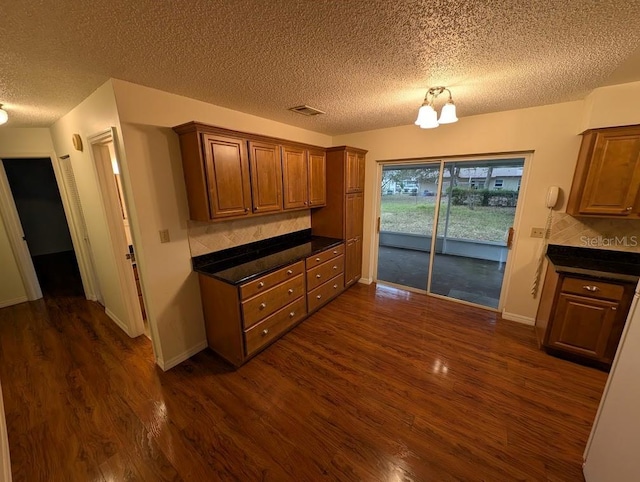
{"x":510,"y":237}
{"x":378,"y":224}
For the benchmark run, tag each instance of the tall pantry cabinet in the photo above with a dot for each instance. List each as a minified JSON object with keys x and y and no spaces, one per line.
{"x":343,"y":215}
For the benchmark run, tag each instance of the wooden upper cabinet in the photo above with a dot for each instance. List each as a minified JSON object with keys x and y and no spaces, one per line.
{"x":227,"y":174}
{"x":295,"y":177}
{"x":607,"y":178}
{"x":317,"y":178}
{"x":266,"y":177}
{"x":355,"y":172}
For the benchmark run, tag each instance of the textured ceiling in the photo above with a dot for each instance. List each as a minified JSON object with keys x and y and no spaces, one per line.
{"x":367,"y":64}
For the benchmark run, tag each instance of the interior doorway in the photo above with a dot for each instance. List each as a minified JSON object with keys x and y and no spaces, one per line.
{"x":35,"y":192}
{"x":446,"y":226}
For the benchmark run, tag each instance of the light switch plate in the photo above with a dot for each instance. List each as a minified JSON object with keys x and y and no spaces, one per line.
{"x":164,"y":236}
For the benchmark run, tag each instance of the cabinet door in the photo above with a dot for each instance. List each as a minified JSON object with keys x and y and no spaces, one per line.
{"x":355,"y":172}
{"x":353,"y":261}
{"x":613,"y":178}
{"x":266,"y":177}
{"x":317,"y":179}
{"x":582,"y":325}
{"x":354,"y":215}
{"x":227,"y":171}
{"x":295,"y":178}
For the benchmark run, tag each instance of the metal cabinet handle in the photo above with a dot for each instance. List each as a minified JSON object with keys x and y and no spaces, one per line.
{"x":335,"y":287}
{"x":318,"y":297}
{"x":261,"y":284}
{"x":591,"y":288}
{"x":292,"y":314}
{"x":335,"y":267}
{"x":246,"y":210}
{"x":263,"y":306}
{"x":317,"y":260}
{"x":289,"y":271}
{"x":613,"y":308}
{"x":318,"y":276}
{"x":265,"y":332}
{"x":629,"y":208}
{"x":335,"y":251}
{"x":290,"y":291}
{"x":305,"y":203}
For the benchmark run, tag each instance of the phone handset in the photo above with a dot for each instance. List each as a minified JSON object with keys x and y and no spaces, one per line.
{"x":552,"y":196}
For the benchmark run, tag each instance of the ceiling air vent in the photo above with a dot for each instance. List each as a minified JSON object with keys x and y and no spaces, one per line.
{"x":306,"y":110}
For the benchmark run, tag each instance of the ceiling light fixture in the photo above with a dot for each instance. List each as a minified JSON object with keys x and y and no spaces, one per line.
{"x":428,"y":117}
{"x":4,"y":117}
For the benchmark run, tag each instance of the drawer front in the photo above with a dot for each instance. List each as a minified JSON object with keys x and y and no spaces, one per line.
{"x":324,"y":272}
{"x":261,"y":306}
{"x":273,"y":326}
{"x":265,"y":282}
{"x":592,"y":289}
{"x":325,"y":292}
{"x":324,"y":256}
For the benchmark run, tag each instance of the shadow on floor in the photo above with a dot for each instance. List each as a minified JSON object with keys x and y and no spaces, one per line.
{"x":469,"y":279}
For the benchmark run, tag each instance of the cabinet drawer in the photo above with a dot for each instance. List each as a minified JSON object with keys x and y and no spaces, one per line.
{"x":325,"y":292}
{"x":325,"y":255}
{"x":273,"y":326}
{"x":592,"y":289}
{"x":324,"y":272}
{"x":262,"y":305}
{"x":265,"y":282}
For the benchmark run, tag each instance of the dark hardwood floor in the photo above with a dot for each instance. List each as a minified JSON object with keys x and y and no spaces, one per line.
{"x":380,"y":385}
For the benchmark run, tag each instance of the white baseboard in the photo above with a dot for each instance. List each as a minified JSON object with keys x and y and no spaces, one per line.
{"x":117,"y":321}
{"x":365,"y":281}
{"x":5,"y":460}
{"x":176,"y":360}
{"x":525,"y":320}
{"x":15,"y":301}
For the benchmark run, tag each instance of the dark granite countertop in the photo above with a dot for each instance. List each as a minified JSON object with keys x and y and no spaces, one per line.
{"x":600,"y":263}
{"x":244,"y":263}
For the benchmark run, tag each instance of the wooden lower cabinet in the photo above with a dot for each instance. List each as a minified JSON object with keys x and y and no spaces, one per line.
{"x":583,"y":316}
{"x":242,"y":320}
{"x":353,"y":265}
{"x":325,"y":277}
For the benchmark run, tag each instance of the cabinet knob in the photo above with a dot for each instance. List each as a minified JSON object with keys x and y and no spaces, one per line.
{"x":317,"y":260}
{"x":261,"y":284}
{"x":246,"y":210}
{"x":290,"y":291}
{"x":591,"y":288}
{"x":335,"y":251}
{"x":613,"y":308}
{"x":265,"y":332}
{"x":318,"y":297}
{"x":335,"y":267}
{"x":629,"y":208}
{"x":318,"y":276}
{"x":335,"y":287}
{"x":292,"y":314}
{"x":305,"y":203}
{"x":263,"y":306}
{"x":289,"y":271}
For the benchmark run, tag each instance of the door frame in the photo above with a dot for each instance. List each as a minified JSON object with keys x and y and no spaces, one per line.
{"x":98,"y":148}
{"x":441,"y":160}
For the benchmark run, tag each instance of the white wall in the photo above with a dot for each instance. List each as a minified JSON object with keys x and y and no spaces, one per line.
{"x":550,"y":131}
{"x":15,"y":143}
{"x":154,"y":184}
{"x":95,"y":114}
{"x":616,"y":105}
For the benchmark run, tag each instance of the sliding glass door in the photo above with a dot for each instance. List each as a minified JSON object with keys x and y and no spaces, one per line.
{"x":407,"y":208}
{"x":472,"y":206}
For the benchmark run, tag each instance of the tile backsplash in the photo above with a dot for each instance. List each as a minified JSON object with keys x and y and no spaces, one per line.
{"x":210,"y":237}
{"x":616,"y":234}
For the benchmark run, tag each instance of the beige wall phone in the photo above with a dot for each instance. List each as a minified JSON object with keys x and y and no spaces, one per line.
{"x":552,"y":200}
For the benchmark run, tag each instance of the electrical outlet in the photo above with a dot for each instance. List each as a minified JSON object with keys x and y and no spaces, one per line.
{"x":538,"y":233}
{"x":164,"y":236}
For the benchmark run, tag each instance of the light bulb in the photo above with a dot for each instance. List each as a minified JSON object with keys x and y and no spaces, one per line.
{"x":4,"y":117}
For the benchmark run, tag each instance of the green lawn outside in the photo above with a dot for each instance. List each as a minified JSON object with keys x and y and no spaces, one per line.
{"x":414,"y":214}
